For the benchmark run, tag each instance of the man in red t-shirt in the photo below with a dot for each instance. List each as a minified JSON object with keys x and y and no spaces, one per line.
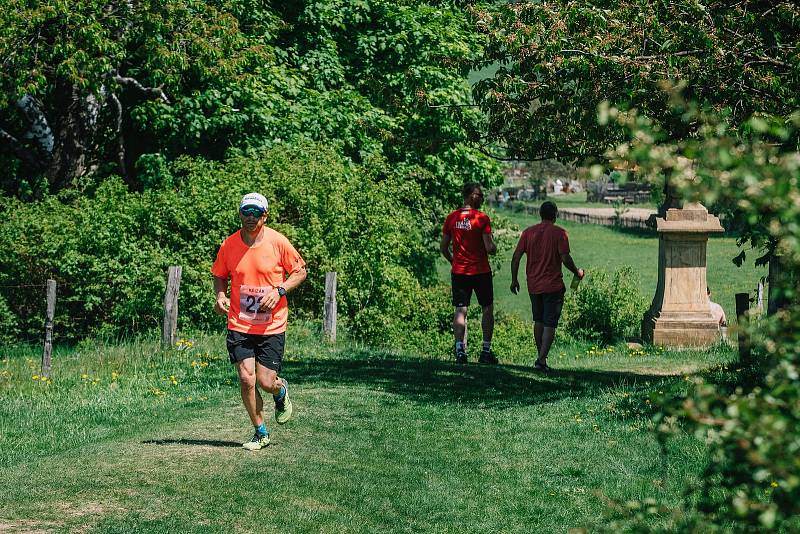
{"x":257,"y":260}
{"x":469,"y":231}
{"x":547,"y":248}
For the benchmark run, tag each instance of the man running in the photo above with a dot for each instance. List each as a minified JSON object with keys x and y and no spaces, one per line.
{"x":469,"y":231}
{"x":547,"y":247}
{"x":257,"y":260}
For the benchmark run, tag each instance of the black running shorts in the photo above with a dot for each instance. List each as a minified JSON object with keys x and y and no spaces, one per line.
{"x":267,"y":350}
{"x":464,"y":284}
{"x":546,"y":307}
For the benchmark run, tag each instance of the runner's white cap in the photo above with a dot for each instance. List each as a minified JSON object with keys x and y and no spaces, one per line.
{"x":254,"y":199}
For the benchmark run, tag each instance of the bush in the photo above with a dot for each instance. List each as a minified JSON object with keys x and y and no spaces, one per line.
{"x":109,"y":252}
{"x":604,"y":309}
{"x":423,"y":325}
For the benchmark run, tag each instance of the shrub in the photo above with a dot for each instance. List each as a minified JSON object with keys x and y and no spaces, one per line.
{"x":423,"y":325}
{"x":604,"y":309}
{"x":109,"y":252}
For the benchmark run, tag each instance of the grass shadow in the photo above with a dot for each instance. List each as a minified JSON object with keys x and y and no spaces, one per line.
{"x":196,"y":442}
{"x":436,"y":381}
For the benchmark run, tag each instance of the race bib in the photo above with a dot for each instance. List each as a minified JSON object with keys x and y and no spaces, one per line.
{"x":250,"y":300}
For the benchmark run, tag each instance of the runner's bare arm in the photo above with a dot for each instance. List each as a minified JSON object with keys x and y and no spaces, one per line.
{"x":295,"y":278}
{"x":222,"y":302}
{"x":444,"y":247}
{"x":566,"y":259}
{"x":515,"y":269}
{"x":489,"y":244}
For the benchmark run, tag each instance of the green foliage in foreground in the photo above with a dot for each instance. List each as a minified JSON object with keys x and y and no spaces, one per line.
{"x":130,"y":438}
{"x":752,"y":483}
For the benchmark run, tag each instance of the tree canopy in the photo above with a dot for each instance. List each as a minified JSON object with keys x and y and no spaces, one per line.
{"x":559,"y":60}
{"x":96,"y":88}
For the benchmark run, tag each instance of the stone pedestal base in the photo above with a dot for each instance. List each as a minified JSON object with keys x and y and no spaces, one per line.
{"x":680,"y":315}
{"x":680,"y":330}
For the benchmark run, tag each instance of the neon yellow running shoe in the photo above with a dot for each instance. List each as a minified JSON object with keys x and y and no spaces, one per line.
{"x":257,"y":442}
{"x":283,"y":408}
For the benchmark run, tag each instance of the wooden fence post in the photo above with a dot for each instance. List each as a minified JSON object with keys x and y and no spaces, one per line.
{"x":48,"y":327}
{"x":742,"y":306}
{"x":171,"y":306}
{"x":329,"y":311}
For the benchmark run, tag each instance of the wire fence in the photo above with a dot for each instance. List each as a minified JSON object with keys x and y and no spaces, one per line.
{"x":57,"y":308}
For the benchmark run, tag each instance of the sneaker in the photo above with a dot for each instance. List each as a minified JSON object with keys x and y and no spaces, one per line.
{"x":283,"y":408}
{"x":461,"y":356}
{"x":542,"y":366}
{"x":257,"y":442}
{"x":488,"y":357}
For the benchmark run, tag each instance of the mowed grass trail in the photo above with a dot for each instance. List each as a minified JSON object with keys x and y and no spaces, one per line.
{"x":382,"y":441}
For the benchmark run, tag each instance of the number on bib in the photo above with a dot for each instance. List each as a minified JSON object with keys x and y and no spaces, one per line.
{"x":250,"y":300}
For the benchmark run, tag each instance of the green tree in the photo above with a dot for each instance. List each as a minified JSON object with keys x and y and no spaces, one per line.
{"x":410,"y":61}
{"x":72,"y":73}
{"x":91,"y":88}
{"x":559,"y":60}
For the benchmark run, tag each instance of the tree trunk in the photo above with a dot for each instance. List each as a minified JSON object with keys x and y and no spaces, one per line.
{"x":75,"y":127}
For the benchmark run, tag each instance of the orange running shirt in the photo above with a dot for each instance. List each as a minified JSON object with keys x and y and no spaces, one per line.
{"x":254,"y":272}
{"x":466,"y":228}
{"x":544,"y":244}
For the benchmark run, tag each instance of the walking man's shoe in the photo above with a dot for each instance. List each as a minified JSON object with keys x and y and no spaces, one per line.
{"x":488,"y":357}
{"x":461,"y":356}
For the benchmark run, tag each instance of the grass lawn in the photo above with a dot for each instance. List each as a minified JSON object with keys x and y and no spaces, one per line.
{"x":128,"y":438}
{"x":600,"y":247}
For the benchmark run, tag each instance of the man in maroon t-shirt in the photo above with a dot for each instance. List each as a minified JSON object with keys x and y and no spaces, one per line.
{"x":469,"y":231}
{"x":547,"y":247}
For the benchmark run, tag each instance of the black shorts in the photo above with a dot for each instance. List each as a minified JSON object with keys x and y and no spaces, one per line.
{"x":465,"y":284}
{"x":546,"y":307}
{"x":267,"y":350}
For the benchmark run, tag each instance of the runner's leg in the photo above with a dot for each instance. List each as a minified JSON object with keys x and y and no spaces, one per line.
{"x":548,"y":334}
{"x":538,"y":333}
{"x":460,"y":323}
{"x":487,"y":322}
{"x":247,"y":385}
{"x":268,"y":380}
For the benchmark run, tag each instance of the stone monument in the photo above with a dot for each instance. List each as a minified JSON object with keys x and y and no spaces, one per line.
{"x":680,"y":315}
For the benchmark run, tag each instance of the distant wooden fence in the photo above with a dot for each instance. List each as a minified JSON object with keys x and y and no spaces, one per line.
{"x":624,"y":220}
{"x":603,"y":220}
